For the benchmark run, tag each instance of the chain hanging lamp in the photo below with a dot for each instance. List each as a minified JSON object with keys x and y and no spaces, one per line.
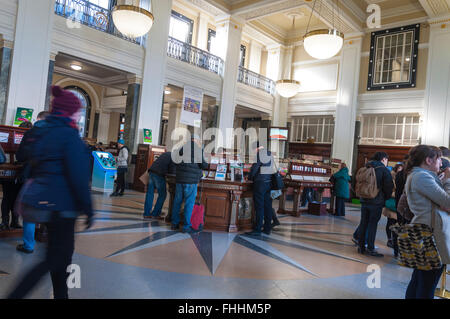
{"x":323,"y":43}
{"x":287,"y":87}
{"x":132,"y":20}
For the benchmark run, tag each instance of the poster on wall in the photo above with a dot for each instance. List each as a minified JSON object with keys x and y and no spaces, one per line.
{"x":147,"y":139}
{"x":23,"y":115}
{"x":191,"y":111}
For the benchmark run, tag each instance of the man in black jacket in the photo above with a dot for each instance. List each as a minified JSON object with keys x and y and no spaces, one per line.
{"x":261,"y":175}
{"x":157,"y":173}
{"x":189,"y":164}
{"x":371,"y":209}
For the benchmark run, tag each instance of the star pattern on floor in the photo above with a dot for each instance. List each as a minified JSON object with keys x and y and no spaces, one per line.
{"x":213,"y":246}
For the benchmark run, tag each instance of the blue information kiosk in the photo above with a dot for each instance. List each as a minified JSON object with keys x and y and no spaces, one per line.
{"x":104,"y":172}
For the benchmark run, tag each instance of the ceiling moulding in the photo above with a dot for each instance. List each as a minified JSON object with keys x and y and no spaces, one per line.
{"x":258,"y":5}
{"x":397,"y":24}
{"x":220,"y":4}
{"x":374,"y":1}
{"x":435,"y":8}
{"x":360,"y":14}
{"x":207,"y":7}
{"x":254,"y":34}
{"x":268,"y":33}
{"x":402,"y":10}
{"x":192,"y":10}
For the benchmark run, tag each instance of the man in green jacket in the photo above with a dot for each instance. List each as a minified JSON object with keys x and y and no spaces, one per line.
{"x":341,"y":189}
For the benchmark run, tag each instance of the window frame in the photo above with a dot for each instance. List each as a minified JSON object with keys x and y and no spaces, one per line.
{"x":243,"y":49}
{"x":302,"y":125}
{"x":211,"y":33}
{"x":415,"y":28}
{"x":183,"y":18}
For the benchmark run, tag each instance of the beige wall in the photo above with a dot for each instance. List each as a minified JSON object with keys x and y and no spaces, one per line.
{"x":263,"y":68}
{"x":113,"y":127}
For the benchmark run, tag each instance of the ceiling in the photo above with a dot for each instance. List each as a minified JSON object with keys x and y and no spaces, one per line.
{"x":93,"y":72}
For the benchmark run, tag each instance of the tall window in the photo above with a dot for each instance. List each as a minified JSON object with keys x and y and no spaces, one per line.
{"x":390,"y":129}
{"x":181,"y":27}
{"x":321,"y":129}
{"x":393,"y":58}
{"x":83,"y":122}
{"x":212,"y":42}
{"x":242,"y":55}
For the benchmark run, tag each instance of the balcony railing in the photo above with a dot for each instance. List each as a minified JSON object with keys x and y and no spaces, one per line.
{"x":185,"y":52}
{"x":82,"y":11}
{"x":256,"y":80}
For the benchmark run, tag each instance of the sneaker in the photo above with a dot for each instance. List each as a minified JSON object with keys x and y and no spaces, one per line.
{"x":355,"y":241}
{"x":267,"y":232}
{"x":23,"y":249}
{"x":120,"y":194}
{"x":4,"y":227}
{"x":276,"y":223}
{"x":374,"y":253}
{"x":113,"y":194}
{"x":361,"y":250}
{"x":390,"y":244}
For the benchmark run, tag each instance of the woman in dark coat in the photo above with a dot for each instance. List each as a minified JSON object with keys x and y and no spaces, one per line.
{"x":341,"y":188}
{"x":57,"y":190}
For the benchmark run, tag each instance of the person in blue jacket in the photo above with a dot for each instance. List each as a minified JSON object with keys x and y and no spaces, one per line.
{"x":341,"y":189}
{"x":57,"y":191}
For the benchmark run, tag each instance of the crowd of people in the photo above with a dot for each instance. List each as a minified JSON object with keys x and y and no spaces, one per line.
{"x":53,"y":188}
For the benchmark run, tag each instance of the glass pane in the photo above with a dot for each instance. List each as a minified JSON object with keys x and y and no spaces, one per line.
{"x":319,"y":133}
{"x":387,"y":43}
{"x":385,"y":77}
{"x":377,"y":77}
{"x":394,"y":41}
{"x":408,"y":128}
{"x":326,"y":131}
{"x":408,"y":37}
{"x":380,"y":43}
{"x":179,"y":29}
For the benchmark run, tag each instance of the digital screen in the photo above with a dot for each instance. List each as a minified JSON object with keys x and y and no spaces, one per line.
{"x":104,"y":154}
{"x":278,"y":134}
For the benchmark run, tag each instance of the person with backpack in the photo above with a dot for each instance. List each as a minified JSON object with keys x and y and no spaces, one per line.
{"x":122,"y":168}
{"x":157,"y":179}
{"x":341,"y":189}
{"x":189,"y":166}
{"x":374,"y":186}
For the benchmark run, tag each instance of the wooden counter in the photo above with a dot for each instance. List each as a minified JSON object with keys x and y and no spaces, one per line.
{"x":228,"y":205}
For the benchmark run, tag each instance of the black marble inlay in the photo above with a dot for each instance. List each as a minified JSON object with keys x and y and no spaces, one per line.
{"x":123,"y":227}
{"x":203,"y":242}
{"x":145,"y":241}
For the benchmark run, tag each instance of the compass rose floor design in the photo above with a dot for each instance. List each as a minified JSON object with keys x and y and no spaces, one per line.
{"x":124,"y":256}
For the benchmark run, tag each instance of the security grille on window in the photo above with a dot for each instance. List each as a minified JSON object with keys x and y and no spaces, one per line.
{"x":392,"y":129}
{"x":393,"y":58}
{"x":320,"y":129}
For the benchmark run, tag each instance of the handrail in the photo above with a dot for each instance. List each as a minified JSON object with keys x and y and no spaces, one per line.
{"x":185,"y":52}
{"x":256,"y":80}
{"x":90,"y":14}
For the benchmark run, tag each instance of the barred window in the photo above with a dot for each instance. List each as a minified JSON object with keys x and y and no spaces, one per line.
{"x":393,"y":58}
{"x":390,"y":129}
{"x":321,"y":129}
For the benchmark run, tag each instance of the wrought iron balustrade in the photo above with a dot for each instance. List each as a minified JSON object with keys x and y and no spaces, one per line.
{"x":185,"y":52}
{"x":256,"y":80}
{"x":87,"y":13}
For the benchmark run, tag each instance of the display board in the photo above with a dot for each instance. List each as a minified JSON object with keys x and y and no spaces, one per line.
{"x":191,"y":110}
{"x":23,"y":115}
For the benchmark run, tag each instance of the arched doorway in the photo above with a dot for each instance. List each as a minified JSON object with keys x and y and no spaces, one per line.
{"x":83,"y":123}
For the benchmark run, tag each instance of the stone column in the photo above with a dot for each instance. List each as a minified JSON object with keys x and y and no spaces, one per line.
{"x":202,"y":31}
{"x":103,"y":127}
{"x":131,"y":113}
{"x":150,"y":106}
{"x":346,"y":104}
{"x":436,"y":125}
{"x":174,"y":119}
{"x":229,"y":33}
{"x":30,"y":63}
{"x":5,"y":66}
{"x":281,"y":104}
{"x":51,"y":68}
{"x":255,"y":56}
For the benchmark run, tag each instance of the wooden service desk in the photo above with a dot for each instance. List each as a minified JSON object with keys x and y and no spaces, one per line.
{"x":228,"y":205}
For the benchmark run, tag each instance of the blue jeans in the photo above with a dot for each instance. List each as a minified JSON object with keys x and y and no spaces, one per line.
{"x":28,"y":235}
{"x":263,"y":205}
{"x":423,"y":284}
{"x":158,"y":182}
{"x":370,"y":215}
{"x":340,"y":206}
{"x":186,"y":193}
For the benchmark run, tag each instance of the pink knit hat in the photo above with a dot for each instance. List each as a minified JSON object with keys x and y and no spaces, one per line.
{"x":64,"y":103}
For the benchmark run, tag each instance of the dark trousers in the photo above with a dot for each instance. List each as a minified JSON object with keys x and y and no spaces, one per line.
{"x":59,"y":256}
{"x":263,"y":205}
{"x":340,"y":206}
{"x":120,"y":188}
{"x":10,"y":192}
{"x":423,"y":284}
{"x":370,"y":215}
{"x":389,"y":223}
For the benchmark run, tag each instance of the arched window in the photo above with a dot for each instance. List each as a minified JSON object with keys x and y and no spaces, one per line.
{"x":83,"y":123}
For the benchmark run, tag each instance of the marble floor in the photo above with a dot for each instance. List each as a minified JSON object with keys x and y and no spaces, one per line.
{"x":124,"y":256}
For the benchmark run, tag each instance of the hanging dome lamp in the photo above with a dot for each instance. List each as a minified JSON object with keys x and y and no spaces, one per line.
{"x":132,"y":20}
{"x":323,"y":43}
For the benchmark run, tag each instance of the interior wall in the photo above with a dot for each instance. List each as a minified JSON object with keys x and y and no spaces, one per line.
{"x":113,"y":127}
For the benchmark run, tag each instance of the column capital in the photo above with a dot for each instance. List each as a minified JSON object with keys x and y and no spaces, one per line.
{"x":232,"y":21}
{"x":440,"y":22}
{"x":134,"y":79}
{"x":6,"y":43}
{"x":53,"y":56}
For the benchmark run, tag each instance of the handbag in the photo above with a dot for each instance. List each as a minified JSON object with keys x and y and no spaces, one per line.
{"x":277,"y":180}
{"x":417,"y":245}
{"x":145,"y":178}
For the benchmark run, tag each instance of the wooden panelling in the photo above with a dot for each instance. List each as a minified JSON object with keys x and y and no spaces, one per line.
{"x":296,"y":149}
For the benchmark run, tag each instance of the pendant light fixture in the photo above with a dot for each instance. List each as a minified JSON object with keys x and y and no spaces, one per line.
{"x":288,"y":88}
{"x":132,"y":20}
{"x":323,"y":43}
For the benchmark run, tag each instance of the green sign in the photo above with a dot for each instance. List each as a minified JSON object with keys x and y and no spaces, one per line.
{"x":23,"y":115}
{"x":147,"y":136}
